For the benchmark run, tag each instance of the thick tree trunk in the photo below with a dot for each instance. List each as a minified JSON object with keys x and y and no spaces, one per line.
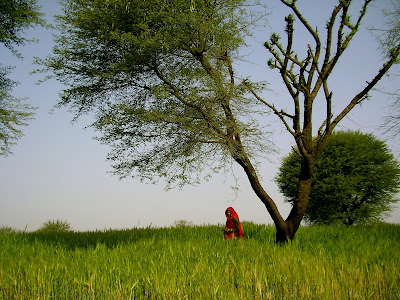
{"x":292,"y":223}
{"x":261,"y":193}
{"x":285,"y":229}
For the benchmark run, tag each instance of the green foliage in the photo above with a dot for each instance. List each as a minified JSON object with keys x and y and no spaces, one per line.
{"x":197,"y":263}
{"x":183,"y":223}
{"x":56,"y":226}
{"x":7,"y":230}
{"x":16,"y":16}
{"x":13,"y":113}
{"x":159,"y":76}
{"x":355,"y":180}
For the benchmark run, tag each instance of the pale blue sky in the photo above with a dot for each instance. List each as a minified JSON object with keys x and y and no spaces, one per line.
{"x":58,"y":171}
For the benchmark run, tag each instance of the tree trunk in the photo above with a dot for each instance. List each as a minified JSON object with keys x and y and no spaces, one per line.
{"x":287,"y":232}
{"x":261,"y":193}
{"x":285,"y":229}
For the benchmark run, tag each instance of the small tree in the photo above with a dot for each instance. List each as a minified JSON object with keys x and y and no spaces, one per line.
{"x":182,"y":224}
{"x":55,"y":226}
{"x":15,"y":18}
{"x":355,"y":180}
{"x":7,"y":230}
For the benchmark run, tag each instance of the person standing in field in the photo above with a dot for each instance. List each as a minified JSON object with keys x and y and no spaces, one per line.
{"x":233,"y":228}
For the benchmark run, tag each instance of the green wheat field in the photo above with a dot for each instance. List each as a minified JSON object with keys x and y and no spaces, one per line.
{"x":195,"y":262}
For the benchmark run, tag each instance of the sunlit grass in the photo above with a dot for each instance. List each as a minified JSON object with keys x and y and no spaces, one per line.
{"x":324,"y":262}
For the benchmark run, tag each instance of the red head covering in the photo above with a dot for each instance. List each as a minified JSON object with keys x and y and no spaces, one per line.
{"x":231,"y":225}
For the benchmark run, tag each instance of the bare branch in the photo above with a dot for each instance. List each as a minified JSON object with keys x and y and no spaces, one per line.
{"x":329,"y":33}
{"x":281,"y":114}
{"x":289,"y":30}
{"x":292,"y":5}
{"x":315,"y":36}
{"x":361,"y":96}
{"x":354,"y":28}
{"x":342,"y":45}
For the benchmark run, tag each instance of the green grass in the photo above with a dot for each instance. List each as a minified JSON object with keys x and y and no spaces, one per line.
{"x":324,"y":262}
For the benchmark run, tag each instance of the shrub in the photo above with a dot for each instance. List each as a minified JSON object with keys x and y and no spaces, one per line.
{"x":55,"y":226}
{"x":7,"y":230}
{"x":183,"y":223}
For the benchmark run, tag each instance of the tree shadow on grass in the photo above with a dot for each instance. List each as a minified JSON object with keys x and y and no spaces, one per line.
{"x":91,"y":239}
{"x":114,"y":238}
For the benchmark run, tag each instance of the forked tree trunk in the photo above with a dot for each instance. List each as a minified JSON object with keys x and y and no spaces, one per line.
{"x":285,"y":229}
{"x":292,"y":223}
{"x":260,"y":192}
{"x":287,"y":232}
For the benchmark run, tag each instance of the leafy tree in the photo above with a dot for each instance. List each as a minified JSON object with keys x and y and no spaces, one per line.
{"x":16,"y":16}
{"x":55,"y":226}
{"x":160,"y":79}
{"x":355,"y":180}
{"x":182,"y":224}
{"x":7,"y":230}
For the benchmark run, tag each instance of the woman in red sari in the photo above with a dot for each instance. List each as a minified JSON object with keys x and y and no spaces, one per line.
{"x":233,"y":228}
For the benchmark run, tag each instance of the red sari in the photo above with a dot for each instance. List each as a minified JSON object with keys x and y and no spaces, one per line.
{"x":230,"y":224}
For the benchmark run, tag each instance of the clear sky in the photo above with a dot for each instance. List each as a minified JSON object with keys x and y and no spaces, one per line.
{"x":58,"y":171}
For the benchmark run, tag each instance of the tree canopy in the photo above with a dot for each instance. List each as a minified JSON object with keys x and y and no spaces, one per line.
{"x":355,"y":180}
{"x":16,"y":16}
{"x":160,"y":76}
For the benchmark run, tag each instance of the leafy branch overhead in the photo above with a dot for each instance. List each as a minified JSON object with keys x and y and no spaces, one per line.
{"x":162,"y":81}
{"x":13,"y":113}
{"x":15,"y":18}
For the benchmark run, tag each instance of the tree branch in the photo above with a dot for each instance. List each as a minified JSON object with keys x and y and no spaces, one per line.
{"x":361,"y":96}
{"x":315,"y":36}
{"x":329,"y":34}
{"x":342,"y":45}
{"x":175,"y":92}
{"x":280,"y":114}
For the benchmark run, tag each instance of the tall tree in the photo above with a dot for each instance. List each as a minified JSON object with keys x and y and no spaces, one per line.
{"x":305,"y":77}
{"x":355,"y":180}
{"x":159,"y":76}
{"x":16,"y":16}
